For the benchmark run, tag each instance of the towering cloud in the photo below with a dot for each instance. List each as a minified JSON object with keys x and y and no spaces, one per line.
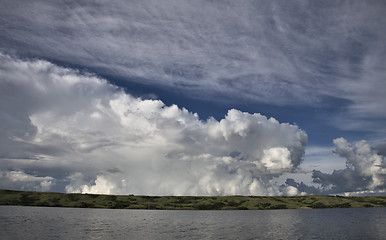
{"x":365,"y":169}
{"x":72,"y":130}
{"x":365,"y":172}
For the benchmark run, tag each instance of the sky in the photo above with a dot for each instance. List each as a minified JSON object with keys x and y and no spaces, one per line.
{"x":193,"y":97}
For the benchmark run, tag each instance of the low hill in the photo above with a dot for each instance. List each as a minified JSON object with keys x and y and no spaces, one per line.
{"x":49,"y":199}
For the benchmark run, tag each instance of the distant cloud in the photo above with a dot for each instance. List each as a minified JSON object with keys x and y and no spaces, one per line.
{"x":61,"y":125}
{"x":365,"y":172}
{"x":22,"y":181}
{"x":301,"y":53}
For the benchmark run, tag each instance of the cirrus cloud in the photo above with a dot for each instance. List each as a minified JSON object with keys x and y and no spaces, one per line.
{"x":299,"y":54}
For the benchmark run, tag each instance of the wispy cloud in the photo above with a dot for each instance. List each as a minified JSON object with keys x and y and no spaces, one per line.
{"x":267,"y":51}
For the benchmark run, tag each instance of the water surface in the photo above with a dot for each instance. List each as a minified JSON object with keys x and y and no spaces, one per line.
{"x":74,"y":223}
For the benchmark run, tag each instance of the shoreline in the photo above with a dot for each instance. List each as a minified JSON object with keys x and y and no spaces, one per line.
{"x":78,"y":200}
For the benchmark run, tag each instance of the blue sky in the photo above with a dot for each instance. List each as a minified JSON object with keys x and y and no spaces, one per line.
{"x":317,"y":68}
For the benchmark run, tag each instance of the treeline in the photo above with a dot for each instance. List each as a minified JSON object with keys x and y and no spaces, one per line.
{"x":49,"y":199}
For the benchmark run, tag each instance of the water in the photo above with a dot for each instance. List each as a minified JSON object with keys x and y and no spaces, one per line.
{"x":70,"y":223}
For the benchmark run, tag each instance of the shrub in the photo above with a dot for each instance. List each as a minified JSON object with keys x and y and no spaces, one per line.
{"x":318,"y":205}
{"x":279,"y":206}
{"x":342,"y":205}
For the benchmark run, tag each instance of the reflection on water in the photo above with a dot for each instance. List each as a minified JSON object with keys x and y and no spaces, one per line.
{"x":70,"y":223}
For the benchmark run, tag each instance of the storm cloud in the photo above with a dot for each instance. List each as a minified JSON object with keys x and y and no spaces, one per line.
{"x":365,"y":172}
{"x":64,"y":126}
{"x":365,"y":169}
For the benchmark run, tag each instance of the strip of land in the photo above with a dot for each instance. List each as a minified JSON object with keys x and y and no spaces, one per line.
{"x":50,"y":199}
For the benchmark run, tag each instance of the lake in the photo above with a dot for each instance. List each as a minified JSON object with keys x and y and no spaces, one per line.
{"x":18,"y":222}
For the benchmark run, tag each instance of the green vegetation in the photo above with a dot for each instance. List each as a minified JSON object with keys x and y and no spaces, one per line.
{"x":49,"y":199}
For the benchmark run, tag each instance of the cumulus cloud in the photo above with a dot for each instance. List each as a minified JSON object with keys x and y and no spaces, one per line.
{"x":365,"y":172}
{"x":303,"y":53}
{"x":21,"y":180}
{"x":92,"y":137}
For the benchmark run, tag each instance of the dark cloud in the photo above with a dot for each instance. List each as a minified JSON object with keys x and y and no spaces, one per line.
{"x":340,"y":181}
{"x":365,"y":172}
{"x":302,"y":187}
{"x":381,"y":149}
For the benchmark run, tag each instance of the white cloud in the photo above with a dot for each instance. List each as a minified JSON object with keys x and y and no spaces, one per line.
{"x":363,"y":160}
{"x":102,"y":186}
{"x":366,"y":193}
{"x":24,"y":181}
{"x":277,"y":159}
{"x":292,"y":191}
{"x":364,"y":172}
{"x":106,"y":141}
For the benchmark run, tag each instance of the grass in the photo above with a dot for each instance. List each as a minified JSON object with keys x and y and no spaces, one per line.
{"x":49,"y":199}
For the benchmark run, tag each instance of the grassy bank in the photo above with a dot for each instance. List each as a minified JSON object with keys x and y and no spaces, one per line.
{"x":8,"y":197}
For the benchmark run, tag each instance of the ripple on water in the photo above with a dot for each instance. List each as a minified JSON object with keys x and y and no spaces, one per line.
{"x":69,"y":223}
